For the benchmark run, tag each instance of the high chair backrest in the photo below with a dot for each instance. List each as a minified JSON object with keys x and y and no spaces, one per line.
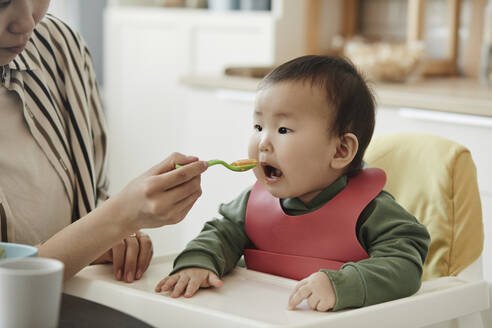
{"x":434,"y":179}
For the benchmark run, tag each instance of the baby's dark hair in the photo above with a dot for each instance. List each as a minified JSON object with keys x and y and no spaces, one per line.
{"x":346,"y":90}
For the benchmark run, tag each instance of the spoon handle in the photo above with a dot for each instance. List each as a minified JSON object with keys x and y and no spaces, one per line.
{"x":210,"y":163}
{"x":240,"y":168}
{"x":217,"y":161}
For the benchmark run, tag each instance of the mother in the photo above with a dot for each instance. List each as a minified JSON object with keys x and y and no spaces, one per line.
{"x":53,"y":155}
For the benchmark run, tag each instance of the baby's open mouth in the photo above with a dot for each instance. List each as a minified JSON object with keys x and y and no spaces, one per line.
{"x":271,"y":172}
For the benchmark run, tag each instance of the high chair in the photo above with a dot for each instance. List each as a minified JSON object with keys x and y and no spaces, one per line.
{"x":435,"y":180}
{"x":431,"y":177}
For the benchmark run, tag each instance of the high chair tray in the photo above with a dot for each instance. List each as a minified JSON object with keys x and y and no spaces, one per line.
{"x":254,"y":299}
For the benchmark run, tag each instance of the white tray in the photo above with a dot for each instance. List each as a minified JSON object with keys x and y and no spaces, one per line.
{"x":253,"y":299}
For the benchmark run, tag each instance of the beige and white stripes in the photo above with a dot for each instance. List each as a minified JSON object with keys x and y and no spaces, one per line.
{"x":55,"y":80}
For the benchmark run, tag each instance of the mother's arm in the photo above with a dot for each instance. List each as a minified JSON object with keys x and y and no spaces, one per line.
{"x":161,"y":196}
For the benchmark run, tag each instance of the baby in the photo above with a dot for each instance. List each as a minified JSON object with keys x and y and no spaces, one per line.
{"x":315,"y":214}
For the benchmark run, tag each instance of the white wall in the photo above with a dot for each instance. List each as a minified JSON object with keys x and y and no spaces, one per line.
{"x":86,"y":17}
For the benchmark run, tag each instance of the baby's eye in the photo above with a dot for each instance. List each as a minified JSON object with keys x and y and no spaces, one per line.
{"x":283,"y":130}
{"x":258,"y":127}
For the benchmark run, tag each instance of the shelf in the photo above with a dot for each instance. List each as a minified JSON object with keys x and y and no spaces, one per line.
{"x":456,"y":95}
{"x":155,"y":5}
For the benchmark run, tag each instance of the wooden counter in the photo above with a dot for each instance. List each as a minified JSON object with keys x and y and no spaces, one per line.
{"x":456,"y":95}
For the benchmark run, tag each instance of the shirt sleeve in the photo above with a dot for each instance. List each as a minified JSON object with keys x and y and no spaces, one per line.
{"x":97,"y":124}
{"x":397,"y":245}
{"x":221,"y":242}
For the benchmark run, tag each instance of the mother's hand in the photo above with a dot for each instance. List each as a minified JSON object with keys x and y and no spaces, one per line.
{"x":163,"y":195}
{"x":130,"y":257}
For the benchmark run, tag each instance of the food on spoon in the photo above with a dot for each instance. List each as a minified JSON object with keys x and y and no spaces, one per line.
{"x":243,"y":162}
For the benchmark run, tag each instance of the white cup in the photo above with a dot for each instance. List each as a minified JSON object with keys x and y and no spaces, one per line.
{"x":30,"y":292}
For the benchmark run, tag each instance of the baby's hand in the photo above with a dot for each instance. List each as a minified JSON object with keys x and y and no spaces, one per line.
{"x":318,"y":291}
{"x":188,"y":281}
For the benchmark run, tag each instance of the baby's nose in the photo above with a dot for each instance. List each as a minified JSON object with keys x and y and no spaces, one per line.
{"x":265,"y":146}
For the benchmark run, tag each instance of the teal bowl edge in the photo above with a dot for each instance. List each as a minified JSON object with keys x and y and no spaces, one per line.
{"x":14,"y":250}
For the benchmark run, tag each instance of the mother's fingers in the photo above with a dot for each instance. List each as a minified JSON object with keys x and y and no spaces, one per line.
{"x":183,"y":191}
{"x":170,"y":180}
{"x":172,"y":201}
{"x":132,"y":250}
{"x":170,"y":162}
{"x":181,"y":209}
{"x":118,"y":259}
{"x":145,"y":254}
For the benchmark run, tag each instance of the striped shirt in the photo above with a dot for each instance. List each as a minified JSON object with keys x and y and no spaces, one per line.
{"x":56,"y":83}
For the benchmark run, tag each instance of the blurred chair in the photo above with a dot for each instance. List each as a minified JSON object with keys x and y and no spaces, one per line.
{"x":435,"y":180}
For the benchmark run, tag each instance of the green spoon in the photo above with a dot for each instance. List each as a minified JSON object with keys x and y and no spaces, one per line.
{"x":238,"y":166}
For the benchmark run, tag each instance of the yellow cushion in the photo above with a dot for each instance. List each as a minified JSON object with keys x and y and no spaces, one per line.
{"x":435,"y":180}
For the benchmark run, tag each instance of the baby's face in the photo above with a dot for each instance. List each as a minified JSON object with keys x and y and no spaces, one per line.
{"x":291,"y":140}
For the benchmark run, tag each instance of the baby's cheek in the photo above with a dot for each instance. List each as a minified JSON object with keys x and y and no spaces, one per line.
{"x":258,"y":173}
{"x":252,"y":149}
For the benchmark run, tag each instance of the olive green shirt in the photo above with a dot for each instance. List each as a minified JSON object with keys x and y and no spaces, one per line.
{"x":396,"y":242}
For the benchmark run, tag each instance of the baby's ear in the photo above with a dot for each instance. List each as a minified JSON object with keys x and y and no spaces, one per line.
{"x":346,"y":150}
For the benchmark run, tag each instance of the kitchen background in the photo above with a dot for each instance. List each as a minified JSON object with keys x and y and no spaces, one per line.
{"x":161,"y":65}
